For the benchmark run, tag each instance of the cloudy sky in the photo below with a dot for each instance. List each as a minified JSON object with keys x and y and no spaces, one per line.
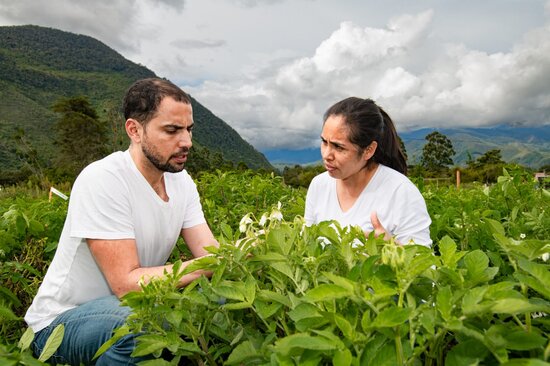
{"x":270,"y":68}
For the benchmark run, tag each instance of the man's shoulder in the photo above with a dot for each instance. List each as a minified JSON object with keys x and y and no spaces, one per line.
{"x":101,"y":170}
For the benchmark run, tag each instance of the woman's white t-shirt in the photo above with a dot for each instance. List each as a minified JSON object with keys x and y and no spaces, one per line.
{"x":111,"y":199}
{"x":398,"y":203}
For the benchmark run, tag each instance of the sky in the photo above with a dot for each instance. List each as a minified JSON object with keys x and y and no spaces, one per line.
{"x":271,"y":68}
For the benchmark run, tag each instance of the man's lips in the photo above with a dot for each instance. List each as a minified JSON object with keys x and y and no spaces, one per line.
{"x":180,"y":158}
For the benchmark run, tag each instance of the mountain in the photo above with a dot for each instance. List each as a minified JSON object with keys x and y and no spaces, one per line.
{"x":528,"y":146}
{"x":39,"y":65}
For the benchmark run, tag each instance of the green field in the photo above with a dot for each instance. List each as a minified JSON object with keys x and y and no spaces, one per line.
{"x":283,"y":294}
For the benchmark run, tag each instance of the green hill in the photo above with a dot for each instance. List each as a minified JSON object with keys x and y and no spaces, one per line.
{"x":40,"y":65}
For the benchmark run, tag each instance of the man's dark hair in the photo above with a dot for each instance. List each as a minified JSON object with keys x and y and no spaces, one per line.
{"x":143,"y":98}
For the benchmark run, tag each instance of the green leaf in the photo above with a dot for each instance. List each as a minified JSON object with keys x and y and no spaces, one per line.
{"x":155,"y":362}
{"x":391,"y":317}
{"x":444,"y":302}
{"x":218,"y":273}
{"x":517,"y":306}
{"x":340,"y":281}
{"x":279,"y":239}
{"x":53,"y":343}
{"x":7,"y":314}
{"x":226,"y":231}
{"x":284,"y":268}
{"x":119,"y":333}
{"x":174,"y":317}
{"x":539,"y":271}
{"x":471,"y":300}
{"x":304,"y":311}
{"x":342,"y":358}
{"x":229,"y":291}
{"x":35,"y":227}
{"x":237,"y":305}
{"x":302,"y":341}
{"x":534,"y":283}
{"x":470,"y":352}
{"x":476,"y":262}
{"x":267,"y":295}
{"x":525,"y":362}
{"x":345,"y":326}
{"x":26,"y":339}
{"x":495,"y":226}
{"x":327,"y":292}
{"x":148,"y":344}
{"x":520,"y":340}
{"x":266,"y":310}
{"x":242,"y":353}
{"x":250,"y":289}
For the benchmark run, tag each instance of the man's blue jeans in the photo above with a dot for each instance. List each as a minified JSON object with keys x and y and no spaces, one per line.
{"x":87,"y":327}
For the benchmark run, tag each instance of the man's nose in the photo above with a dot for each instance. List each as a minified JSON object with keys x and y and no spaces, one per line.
{"x":185,"y":139}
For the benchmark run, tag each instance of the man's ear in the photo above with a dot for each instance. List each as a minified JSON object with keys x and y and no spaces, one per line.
{"x":134,"y":129}
{"x":370,"y":150}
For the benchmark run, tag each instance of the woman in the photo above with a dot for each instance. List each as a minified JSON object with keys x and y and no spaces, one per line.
{"x":365,"y":182}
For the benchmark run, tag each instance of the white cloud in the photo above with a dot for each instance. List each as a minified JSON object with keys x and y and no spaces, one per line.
{"x":459,"y":87}
{"x":114,"y":22}
{"x":271,"y":71}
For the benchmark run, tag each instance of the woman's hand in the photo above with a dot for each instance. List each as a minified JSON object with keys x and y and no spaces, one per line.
{"x":377,"y":226}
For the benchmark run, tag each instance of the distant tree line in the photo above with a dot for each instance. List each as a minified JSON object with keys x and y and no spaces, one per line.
{"x":436,"y":162}
{"x":83,"y":137}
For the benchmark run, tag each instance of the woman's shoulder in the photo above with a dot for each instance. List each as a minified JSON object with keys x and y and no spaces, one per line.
{"x":391,"y":177}
{"x":322,"y":179}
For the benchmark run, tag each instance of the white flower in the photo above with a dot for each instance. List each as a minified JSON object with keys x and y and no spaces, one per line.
{"x":263,"y":220}
{"x":545,"y":256}
{"x":245,"y":221}
{"x":522,"y":236}
{"x":276,"y":215}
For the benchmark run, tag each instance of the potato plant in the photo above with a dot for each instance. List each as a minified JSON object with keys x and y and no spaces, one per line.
{"x":285,"y":294}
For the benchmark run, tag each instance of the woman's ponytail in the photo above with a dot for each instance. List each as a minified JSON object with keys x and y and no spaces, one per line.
{"x":389,"y":148}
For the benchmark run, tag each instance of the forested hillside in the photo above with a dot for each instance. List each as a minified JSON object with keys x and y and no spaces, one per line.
{"x":38,"y":66}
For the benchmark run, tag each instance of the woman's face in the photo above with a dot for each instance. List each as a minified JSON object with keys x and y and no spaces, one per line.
{"x":342,"y":158}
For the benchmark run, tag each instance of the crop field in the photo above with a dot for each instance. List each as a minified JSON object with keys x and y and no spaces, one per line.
{"x":285,"y":294}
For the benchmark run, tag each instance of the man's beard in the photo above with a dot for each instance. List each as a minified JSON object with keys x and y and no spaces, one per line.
{"x":154,"y":158}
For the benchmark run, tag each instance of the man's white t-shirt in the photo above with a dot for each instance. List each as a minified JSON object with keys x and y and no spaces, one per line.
{"x":111,"y":199}
{"x":398,"y":203}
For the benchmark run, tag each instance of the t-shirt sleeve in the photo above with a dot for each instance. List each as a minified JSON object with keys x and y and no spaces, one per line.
{"x":99,"y":206}
{"x":193,"y":210}
{"x":311,"y":200}
{"x":412,"y":218}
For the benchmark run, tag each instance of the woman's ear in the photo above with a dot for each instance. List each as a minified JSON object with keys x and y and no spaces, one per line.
{"x":133,"y":129}
{"x":370,"y":150}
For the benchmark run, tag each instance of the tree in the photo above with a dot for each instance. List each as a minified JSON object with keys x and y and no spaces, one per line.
{"x":81,"y":136}
{"x":485,"y":168}
{"x":438,"y":152}
{"x":491,"y":157}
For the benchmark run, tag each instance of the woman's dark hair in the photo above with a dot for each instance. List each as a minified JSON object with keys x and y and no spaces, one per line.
{"x":368,"y":122}
{"x":144,"y":96}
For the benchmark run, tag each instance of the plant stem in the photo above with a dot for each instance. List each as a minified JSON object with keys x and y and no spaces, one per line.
{"x":398,"y":346}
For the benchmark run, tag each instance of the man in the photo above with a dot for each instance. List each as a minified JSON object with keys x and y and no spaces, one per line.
{"x":125,"y":215}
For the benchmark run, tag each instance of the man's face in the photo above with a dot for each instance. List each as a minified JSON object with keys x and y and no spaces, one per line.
{"x":166,"y":139}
